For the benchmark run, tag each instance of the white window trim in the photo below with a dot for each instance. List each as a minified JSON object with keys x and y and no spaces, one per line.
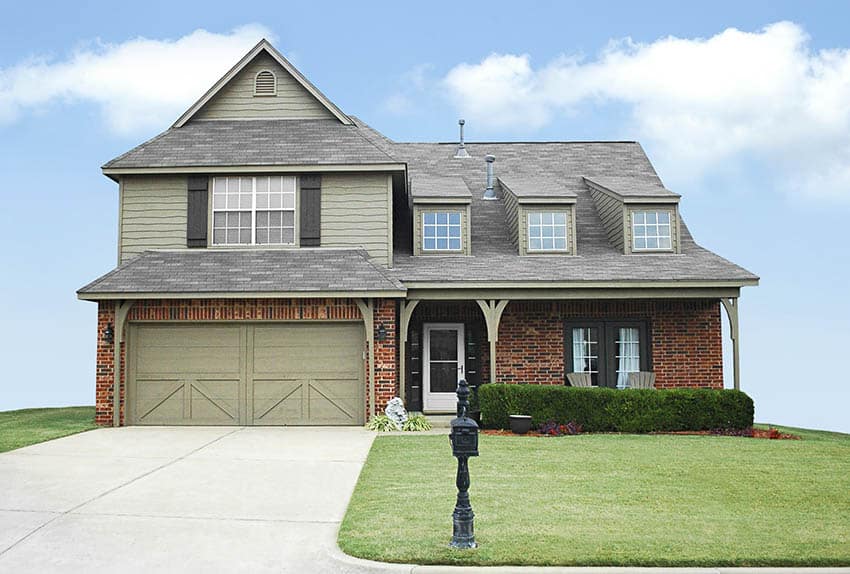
{"x":436,"y":249}
{"x":274,"y":89}
{"x":254,"y":210}
{"x":566,"y":247}
{"x":672,"y":216}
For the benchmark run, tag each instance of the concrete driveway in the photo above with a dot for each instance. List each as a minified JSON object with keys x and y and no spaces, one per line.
{"x":180,"y":500}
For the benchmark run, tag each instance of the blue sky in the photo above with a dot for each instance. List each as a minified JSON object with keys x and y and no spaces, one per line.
{"x":743,"y":107}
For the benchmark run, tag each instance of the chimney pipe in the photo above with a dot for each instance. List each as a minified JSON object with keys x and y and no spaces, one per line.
{"x":461,"y":148}
{"x":489,"y":193}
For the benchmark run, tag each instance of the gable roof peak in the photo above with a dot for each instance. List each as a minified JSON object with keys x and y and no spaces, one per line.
{"x":263,"y":46}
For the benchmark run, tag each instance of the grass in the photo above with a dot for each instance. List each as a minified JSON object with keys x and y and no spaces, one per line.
{"x":609,"y":499}
{"x":31,"y":426}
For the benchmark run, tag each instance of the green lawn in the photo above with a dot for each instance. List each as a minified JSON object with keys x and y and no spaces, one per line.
{"x":609,"y":499}
{"x":31,"y":426}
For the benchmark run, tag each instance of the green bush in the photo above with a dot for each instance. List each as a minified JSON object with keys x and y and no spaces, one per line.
{"x":382,"y":423}
{"x":614,"y":410}
{"x":416,"y":423}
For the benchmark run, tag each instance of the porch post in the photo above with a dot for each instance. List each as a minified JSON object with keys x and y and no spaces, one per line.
{"x":367,"y":310}
{"x":731,"y":306}
{"x":407,"y":308}
{"x":122,"y":309}
{"x":492,"y":310}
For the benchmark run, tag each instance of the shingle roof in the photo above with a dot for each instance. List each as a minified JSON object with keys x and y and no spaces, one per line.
{"x":495,"y":258}
{"x":627,"y":187}
{"x":255,"y":143}
{"x":534,"y":187}
{"x":430,"y":186}
{"x":246,"y":271}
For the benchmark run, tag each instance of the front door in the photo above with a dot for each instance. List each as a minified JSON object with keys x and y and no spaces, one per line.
{"x":443,"y":365}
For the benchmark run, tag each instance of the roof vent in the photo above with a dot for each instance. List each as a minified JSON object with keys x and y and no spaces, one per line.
{"x":489,"y":193}
{"x":461,"y":149}
{"x":265,"y":84}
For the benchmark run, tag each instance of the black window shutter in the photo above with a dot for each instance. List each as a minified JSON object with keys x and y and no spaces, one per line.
{"x":311,"y":210}
{"x":196,"y":213}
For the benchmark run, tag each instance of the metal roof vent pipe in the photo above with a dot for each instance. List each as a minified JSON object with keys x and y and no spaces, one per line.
{"x":461,"y":152}
{"x":489,"y":193}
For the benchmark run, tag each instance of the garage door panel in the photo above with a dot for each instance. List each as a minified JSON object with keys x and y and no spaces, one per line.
{"x":214,"y":401}
{"x":159,"y":401}
{"x":263,"y":374}
{"x":334,"y":401}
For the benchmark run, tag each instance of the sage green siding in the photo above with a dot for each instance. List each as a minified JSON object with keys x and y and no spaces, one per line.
{"x":524,"y":210}
{"x":237,"y":100}
{"x":152,"y":214}
{"x":674,"y":225}
{"x":357,"y":212}
{"x":466,"y":239}
{"x":511,"y":215}
{"x":611,"y":213}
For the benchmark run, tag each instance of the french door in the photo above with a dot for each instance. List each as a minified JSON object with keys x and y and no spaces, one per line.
{"x":608,"y":350}
{"x":443,"y":365}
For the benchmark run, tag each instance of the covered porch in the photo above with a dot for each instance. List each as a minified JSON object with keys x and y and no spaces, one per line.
{"x":534,"y":337}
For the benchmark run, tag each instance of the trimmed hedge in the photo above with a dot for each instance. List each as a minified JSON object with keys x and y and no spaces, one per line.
{"x":614,"y":410}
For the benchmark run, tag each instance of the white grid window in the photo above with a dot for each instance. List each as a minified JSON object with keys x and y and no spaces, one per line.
{"x":547,"y":231}
{"x":628,"y":354}
{"x":254,"y":210}
{"x":586,"y":352}
{"x":441,"y":231}
{"x":651,"y":230}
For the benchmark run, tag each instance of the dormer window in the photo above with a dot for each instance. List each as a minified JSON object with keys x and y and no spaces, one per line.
{"x":547,"y":231}
{"x":651,"y":231}
{"x":441,"y":231}
{"x":265,"y":84}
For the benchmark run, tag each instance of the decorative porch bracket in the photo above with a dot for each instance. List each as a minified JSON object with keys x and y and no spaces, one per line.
{"x":492,"y":310}
{"x":367,"y":311}
{"x":407,"y":308}
{"x":122,"y":309}
{"x":731,"y":306}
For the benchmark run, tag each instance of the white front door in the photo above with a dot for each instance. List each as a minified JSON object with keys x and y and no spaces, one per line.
{"x":444,"y":365}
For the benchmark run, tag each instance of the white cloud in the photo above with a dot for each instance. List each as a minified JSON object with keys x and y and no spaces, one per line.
{"x":412,"y":86}
{"x":138,"y":84}
{"x":700,"y":102}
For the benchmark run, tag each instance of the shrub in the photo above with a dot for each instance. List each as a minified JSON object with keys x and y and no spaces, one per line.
{"x":382,"y":423}
{"x":613,"y":410}
{"x":416,"y":423}
{"x":554,"y":428}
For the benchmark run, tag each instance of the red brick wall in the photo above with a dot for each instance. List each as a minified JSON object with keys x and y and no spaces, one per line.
{"x":685,"y":335}
{"x":386,"y":366}
{"x":244,"y":310}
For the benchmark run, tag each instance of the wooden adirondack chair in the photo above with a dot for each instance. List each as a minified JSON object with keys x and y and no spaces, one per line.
{"x":579,"y":379}
{"x":642,"y":380}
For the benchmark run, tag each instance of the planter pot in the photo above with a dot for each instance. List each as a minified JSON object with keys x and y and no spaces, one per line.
{"x":520,"y":424}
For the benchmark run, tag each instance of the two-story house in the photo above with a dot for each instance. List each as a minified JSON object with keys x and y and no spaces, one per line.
{"x":282,"y":263}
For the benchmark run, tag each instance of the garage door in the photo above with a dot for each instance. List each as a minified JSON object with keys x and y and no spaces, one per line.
{"x":260,"y":374}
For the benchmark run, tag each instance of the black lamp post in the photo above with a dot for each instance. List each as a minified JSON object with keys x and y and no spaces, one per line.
{"x":464,"y":440}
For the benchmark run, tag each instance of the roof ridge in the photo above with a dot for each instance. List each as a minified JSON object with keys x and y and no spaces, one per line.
{"x":504,"y":142}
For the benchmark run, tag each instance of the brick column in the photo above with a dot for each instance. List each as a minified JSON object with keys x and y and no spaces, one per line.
{"x":105,"y":367}
{"x":386,"y":370}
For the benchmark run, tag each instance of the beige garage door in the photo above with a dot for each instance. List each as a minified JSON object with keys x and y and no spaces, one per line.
{"x":260,"y":374}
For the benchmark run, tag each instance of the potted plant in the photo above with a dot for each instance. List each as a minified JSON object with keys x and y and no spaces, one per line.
{"x":520,"y":424}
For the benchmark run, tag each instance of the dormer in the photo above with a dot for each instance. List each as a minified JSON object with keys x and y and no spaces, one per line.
{"x":541,"y":215}
{"x":441,"y":216}
{"x":639,"y":217}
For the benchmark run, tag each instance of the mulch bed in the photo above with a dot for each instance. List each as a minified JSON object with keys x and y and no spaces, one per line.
{"x":772,"y":433}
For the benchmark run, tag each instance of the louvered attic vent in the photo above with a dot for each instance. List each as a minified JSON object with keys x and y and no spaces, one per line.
{"x":265,"y":84}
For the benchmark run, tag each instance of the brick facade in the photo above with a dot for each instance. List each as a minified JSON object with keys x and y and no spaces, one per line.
{"x":685,"y":335}
{"x":245,"y":310}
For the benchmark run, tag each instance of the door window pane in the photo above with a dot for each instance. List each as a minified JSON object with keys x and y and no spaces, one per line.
{"x":443,"y":345}
{"x":444,"y":377}
{"x":586,"y":352}
{"x":627,"y":354}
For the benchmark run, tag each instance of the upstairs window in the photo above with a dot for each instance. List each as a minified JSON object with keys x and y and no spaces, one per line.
{"x":265,"y":84}
{"x":441,"y":231}
{"x":254,"y":210}
{"x":651,"y":231}
{"x":547,"y":231}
